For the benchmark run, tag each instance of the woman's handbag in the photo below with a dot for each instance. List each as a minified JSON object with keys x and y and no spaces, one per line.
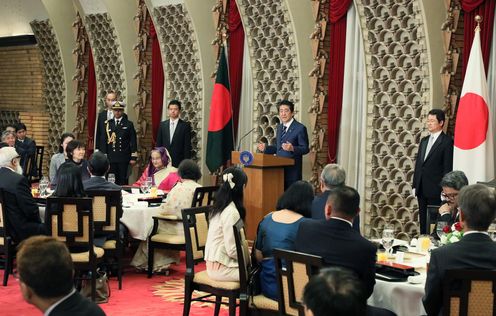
{"x":102,"y":288}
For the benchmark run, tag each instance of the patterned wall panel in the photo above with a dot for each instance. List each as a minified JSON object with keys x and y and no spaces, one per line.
{"x":54,"y":88}
{"x":398,"y":94}
{"x":8,"y":117}
{"x":182,"y":66}
{"x":107,"y":58}
{"x":273,"y":60}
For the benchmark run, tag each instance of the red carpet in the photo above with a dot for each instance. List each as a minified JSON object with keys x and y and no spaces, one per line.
{"x":135,"y":299}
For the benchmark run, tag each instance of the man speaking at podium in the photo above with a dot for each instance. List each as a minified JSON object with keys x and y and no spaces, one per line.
{"x":291,"y":142}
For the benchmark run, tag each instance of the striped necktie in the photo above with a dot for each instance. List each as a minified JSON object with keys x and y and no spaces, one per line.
{"x":284,"y":130}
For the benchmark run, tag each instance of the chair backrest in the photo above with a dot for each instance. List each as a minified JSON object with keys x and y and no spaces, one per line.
{"x":204,"y":196}
{"x":195,"y":222}
{"x":4,"y":233}
{"x":70,"y":220}
{"x":243,"y":253}
{"x":294,"y":270}
{"x":432,"y":211}
{"x":107,"y":209}
{"x":469,"y":292}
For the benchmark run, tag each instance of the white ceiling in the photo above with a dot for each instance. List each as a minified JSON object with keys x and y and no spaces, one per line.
{"x":15,"y":16}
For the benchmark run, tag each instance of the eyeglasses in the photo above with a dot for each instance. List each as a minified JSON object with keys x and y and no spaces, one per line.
{"x":449,"y":196}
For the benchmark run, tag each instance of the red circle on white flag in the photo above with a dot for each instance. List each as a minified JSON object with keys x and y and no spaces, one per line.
{"x":471,"y":121}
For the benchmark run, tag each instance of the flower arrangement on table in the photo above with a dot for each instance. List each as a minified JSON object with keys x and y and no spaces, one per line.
{"x":452,"y":234}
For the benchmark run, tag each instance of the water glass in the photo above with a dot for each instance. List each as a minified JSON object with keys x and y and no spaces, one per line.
{"x":43,"y":186}
{"x":388,"y":238}
{"x":440,"y":228}
{"x":144,"y":187}
{"x":111,"y":178}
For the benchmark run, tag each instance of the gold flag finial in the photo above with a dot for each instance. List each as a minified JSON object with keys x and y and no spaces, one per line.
{"x":478,"y":20}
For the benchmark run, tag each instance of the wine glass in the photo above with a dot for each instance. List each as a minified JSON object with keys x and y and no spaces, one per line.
{"x":149,"y":182}
{"x":111,"y":178}
{"x":144,"y":187}
{"x":43,"y":186}
{"x":440,"y":228}
{"x":388,"y":237}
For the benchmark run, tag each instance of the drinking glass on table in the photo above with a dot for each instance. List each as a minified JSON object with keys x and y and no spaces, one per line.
{"x":440,"y":228}
{"x":43,"y":186}
{"x":424,"y":243}
{"x":144,"y":187}
{"x":111,"y":178}
{"x":388,"y":237}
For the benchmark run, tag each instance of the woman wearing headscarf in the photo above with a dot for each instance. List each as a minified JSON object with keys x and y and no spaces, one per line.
{"x":164,"y":175}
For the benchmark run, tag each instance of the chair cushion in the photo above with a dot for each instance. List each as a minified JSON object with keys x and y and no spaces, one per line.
{"x":203,"y":278}
{"x":169,"y":239}
{"x":85,"y":256}
{"x":110,"y":244}
{"x":263,"y":302}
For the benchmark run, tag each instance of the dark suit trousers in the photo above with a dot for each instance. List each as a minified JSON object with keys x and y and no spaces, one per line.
{"x":423,"y":202}
{"x":120,"y":170}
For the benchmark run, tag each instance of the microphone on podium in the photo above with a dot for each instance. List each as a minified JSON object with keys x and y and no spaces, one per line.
{"x":243,"y":137}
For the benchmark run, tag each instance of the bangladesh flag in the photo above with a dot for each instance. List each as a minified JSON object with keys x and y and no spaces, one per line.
{"x":220,"y":141}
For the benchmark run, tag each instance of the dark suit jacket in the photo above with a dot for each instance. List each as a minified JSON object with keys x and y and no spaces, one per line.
{"x":100,"y":128}
{"x":298,"y":137}
{"x":27,"y":150}
{"x":429,"y":172}
{"x":99,"y":183}
{"x":318,"y":206}
{"x":125,"y":147}
{"x":77,"y":305}
{"x":339,"y":245}
{"x":23,"y":216}
{"x":180,"y":148}
{"x":474,"y":251}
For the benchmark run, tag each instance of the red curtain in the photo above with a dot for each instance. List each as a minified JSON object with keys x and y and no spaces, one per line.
{"x":90,"y":145}
{"x":157,"y":83}
{"x":337,"y":18}
{"x":472,"y":8}
{"x":235,"y":53}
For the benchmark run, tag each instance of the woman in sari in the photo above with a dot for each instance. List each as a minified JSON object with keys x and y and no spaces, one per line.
{"x":164,"y":175}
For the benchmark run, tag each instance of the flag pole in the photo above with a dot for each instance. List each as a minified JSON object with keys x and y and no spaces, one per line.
{"x":478,"y":20}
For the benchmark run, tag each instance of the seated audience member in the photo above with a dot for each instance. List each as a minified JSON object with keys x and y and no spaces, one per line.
{"x":98,"y":166}
{"x":180,"y":197}
{"x":10,"y":128}
{"x":60,"y":157}
{"x":475,"y":250}
{"x":278,"y":230}
{"x":75,"y":150}
{"x":336,"y":241}
{"x":451,"y":184}
{"x":332,"y":176}
{"x":160,"y":169}
{"x":220,"y":248}
{"x":23,"y":215}
{"x":46,"y":273}
{"x":8,"y":139}
{"x":26,"y":148}
{"x":338,"y":291}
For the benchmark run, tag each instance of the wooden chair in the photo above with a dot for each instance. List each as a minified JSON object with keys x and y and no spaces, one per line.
{"x":431,"y":218}
{"x":107,"y":211}
{"x":70,"y":220}
{"x":292,"y":276}
{"x":469,"y":292}
{"x":7,"y":246}
{"x":203,"y":196}
{"x":195,"y":222}
{"x":260,"y":305}
{"x":35,"y":162}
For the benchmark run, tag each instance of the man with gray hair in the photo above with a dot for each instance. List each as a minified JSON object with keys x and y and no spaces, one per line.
{"x":332,"y":176}
{"x":23,"y":217}
{"x":475,"y":250}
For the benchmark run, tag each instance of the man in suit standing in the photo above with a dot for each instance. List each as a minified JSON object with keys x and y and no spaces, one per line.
{"x":336,"y":241}
{"x":23,"y":215}
{"x":46,"y":275}
{"x":332,"y":176}
{"x":98,"y":166}
{"x":475,"y":250}
{"x":434,"y":160}
{"x":291,"y":142}
{"x":26,"y":148}
{"x":175,"y":135}
{"x":120,"y":144}
{"x":103,"y":117}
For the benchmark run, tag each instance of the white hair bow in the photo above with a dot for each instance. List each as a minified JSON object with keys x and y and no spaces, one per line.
{"x":227,"y":177}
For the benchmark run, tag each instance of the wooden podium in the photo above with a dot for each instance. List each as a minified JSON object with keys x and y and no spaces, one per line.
{"x":265,"y":186}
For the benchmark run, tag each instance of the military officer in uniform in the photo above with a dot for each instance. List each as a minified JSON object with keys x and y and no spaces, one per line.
{"x":119,"y":142}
